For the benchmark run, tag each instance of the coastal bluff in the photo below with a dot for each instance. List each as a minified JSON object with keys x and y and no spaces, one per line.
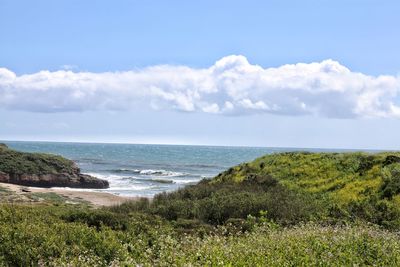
{"x":43,"y":170}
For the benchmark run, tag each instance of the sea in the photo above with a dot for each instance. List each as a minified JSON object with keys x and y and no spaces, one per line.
{"x":146,"y":170}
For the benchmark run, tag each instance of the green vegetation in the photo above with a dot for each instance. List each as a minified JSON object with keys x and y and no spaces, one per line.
{"x":288,"y":209}
{"x":73,"y":236}
{"x":3,"y":190}
{"x":48,"y":197}
{"x":15,"y":162}
{"x":215,"y":203}
{"x":292,"y":187}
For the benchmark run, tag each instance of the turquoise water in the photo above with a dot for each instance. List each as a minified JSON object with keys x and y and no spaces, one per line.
{"x":145,"y":170}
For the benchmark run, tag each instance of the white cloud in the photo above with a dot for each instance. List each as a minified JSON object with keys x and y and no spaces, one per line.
{"x":213,"y":108}
{"x":231,"y":86}
{"x":248,"y":104}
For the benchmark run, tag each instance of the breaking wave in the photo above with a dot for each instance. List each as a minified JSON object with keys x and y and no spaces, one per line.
{"x":151,"y":172}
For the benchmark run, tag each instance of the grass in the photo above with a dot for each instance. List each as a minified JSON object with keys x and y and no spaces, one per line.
{"x":4,"y":190}
{"x":15,"y":162}
{"x":78,"y":236}
{"x":307,"y":245}
{"x":330,"y":173}
{"x":4,"y":194}
{"x":49,"y":197}
{"x":357,"y":185}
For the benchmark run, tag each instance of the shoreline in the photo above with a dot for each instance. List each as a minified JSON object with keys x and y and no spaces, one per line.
{"x":96,"y":199}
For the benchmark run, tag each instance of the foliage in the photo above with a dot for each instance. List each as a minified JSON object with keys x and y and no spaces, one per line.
{"x":79,"y":236}
{"x":351,"y":185}
{"x":98,"y":219}
{"x":307,"y":245}
{"x":216,"y":203}
{"x":15,"y":162}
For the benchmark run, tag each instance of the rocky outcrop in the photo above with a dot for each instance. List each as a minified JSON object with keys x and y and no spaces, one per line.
{"x":43,"y":170}
{"x":54,"y":180}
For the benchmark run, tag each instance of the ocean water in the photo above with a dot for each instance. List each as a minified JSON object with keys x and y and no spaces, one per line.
{"x":145,"y":170}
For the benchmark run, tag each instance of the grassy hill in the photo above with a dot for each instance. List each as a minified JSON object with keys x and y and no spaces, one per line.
{"x":43,"y":170}
{"x":293,"y":187}
{"x":361,"y":185}
{"x":16,"y":162}
{"x":345,"y":177}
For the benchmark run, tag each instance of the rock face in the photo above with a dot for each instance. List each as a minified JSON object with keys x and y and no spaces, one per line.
{"x":43,"y":170}
{"x":54,"y":180}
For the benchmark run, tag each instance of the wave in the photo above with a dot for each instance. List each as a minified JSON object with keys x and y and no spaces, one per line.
{"x":161,"y":181}
{"x":143,"y":182}
{"x":166,"y":181}
{"x":124,"y":171}
{"x":186,"y":182}
{"x":161,"y":173}
{"x":152,"y":172}
{"x":104,"y":176}
{"x":130,"y":181}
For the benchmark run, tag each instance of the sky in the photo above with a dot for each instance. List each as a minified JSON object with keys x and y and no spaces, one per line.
{"x":322,"y":74}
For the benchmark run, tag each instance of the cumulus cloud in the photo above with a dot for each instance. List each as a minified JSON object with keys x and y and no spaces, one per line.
{"x":231,"y":86}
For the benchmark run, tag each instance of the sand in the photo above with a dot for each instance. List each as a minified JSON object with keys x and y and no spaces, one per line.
{"x":74,"y":195}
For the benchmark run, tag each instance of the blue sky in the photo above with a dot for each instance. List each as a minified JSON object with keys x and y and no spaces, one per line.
{"x":102,"y":83}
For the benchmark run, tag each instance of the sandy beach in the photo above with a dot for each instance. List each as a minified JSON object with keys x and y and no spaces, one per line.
{"x":74,"y":195}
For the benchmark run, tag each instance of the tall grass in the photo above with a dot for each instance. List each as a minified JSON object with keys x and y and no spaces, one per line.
{"x":63,"y":236}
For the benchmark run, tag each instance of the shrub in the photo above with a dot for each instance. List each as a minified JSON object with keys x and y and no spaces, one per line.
{"x":216,"y":203}
{"x":98,"y":219}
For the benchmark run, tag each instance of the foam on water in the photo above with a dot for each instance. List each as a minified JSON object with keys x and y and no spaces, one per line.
{"x":144,"y":183}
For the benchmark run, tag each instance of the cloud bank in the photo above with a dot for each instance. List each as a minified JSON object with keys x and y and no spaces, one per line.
{"x":231,"y":86}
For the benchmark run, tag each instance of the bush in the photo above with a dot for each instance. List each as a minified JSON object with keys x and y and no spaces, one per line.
{"x":30,"y":235}
{"x":98,"y":219}
{"x":391,"y":182}
{"x":216,"y":203}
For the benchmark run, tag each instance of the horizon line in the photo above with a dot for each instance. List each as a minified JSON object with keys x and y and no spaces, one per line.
{"x":200,"y":145}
